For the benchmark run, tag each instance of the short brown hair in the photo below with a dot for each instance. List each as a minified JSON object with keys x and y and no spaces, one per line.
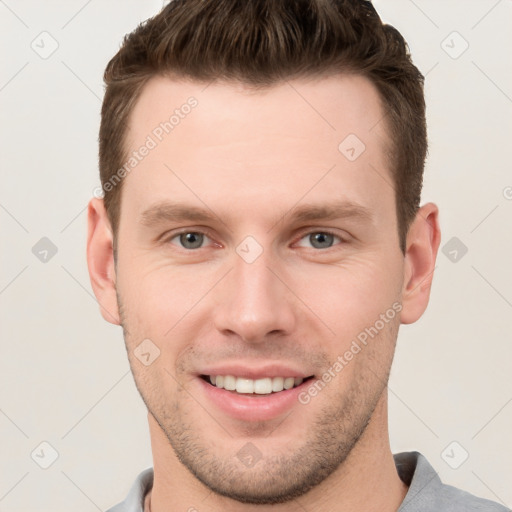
{"x":261,"y":43}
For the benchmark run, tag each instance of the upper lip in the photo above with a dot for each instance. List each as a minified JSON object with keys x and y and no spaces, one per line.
{"x":255,"y":372}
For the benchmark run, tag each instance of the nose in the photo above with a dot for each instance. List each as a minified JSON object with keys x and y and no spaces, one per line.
{"x":254,"y":302}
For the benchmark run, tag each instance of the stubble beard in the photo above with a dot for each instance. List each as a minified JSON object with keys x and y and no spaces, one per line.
{"x":276,"y":477}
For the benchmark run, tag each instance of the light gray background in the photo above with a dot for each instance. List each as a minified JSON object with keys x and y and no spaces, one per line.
{"x":64,"y":374}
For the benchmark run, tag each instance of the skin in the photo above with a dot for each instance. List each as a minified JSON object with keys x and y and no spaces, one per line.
{"x":253,"y":158}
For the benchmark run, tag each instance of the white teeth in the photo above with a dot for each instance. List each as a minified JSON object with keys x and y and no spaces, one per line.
{"x":288,"y":383}
{"x":277,"y":384}
{"x":244,"y":385}
{"x":262,"y":386}
{"x":229,"y":382}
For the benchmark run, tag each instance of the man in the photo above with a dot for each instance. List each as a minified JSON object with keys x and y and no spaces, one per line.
{"x":260,"y":241}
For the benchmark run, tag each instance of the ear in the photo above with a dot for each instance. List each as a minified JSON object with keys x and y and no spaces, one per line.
{"x":422,"y":244}
{"x":100,"y":260}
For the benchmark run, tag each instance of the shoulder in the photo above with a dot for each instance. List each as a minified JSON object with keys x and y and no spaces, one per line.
{"x":134,"y":501}
{"x":427,"y":493}
{"x":455,"y":500}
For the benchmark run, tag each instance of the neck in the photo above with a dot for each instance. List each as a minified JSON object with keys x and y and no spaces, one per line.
{"x":367,"y":479}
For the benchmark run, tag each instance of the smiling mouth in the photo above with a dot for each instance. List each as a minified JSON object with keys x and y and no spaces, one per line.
{"x":253,"y":387}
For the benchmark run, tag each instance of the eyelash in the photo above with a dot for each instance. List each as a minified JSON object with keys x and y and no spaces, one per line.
{"x":324,"y":232}
{"x":168,"y":239}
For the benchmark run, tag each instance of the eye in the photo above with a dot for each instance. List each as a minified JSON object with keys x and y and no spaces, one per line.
{"x":319,"y":240}
{"x":189,"y":239}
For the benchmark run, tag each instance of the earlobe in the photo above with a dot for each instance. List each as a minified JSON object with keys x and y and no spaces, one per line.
{"x":100,"y":260}
{"x":423,"y":241}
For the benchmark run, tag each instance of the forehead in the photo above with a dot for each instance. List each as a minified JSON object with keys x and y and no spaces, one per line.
{"x":332,"y":106}
{"x":215,"y":141}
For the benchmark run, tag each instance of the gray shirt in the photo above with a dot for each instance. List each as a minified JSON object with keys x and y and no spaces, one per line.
{"x":426,"y":491}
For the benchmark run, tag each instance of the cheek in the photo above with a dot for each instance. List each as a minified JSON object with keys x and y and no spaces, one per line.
{"x":161,"y":303}
{"x":351,"y":296}
{"x":158,"y":296}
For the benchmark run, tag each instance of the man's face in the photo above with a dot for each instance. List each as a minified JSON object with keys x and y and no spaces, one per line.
{"x":292,"y":252}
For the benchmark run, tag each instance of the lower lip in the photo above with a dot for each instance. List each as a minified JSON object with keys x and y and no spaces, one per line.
{"x":252,"y":408}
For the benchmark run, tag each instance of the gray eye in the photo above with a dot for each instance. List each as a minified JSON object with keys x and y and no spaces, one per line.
{"x":191,"y":240}
{"x":321,"y":240}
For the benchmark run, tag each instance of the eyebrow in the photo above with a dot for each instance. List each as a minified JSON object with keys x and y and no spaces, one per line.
{"x":331,"y":211}
{"x":178,"y":212}
{"x":166,"y":211}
